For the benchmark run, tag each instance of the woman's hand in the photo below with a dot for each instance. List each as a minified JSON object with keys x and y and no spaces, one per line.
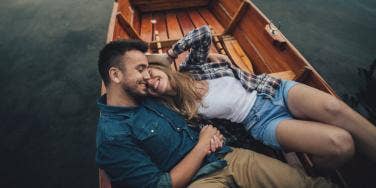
{"x":216,"y":142}
{"x":210,"y":139}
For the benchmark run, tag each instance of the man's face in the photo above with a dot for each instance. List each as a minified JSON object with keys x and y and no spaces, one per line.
{"x":135,"y":73}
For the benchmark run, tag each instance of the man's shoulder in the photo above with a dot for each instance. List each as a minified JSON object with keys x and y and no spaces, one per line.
{"x":111,"y":127}
{"x":125,"y":123}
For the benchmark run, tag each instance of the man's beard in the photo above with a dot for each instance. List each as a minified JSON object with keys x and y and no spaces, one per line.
{"x":134,"y":94}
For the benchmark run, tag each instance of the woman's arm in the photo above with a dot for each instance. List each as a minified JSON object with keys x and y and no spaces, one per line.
{"x":198,"y":41}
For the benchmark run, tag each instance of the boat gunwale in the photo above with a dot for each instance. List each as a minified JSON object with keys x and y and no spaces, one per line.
{"x":295,"y":50}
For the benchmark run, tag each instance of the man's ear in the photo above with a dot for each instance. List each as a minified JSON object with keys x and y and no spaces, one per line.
{"x":115,"y":74}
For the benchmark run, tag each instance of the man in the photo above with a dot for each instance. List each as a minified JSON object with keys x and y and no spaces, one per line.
{"x":142,"y":143}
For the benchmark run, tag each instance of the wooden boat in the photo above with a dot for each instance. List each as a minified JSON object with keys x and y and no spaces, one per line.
{"x":241,"y":31}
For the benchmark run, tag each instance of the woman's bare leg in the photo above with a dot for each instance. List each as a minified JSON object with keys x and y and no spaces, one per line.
{"x":329,"y":146}
{"x":309,"y":103}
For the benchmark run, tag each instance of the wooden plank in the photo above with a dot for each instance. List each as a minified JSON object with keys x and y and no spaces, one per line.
{"x":256,"y":33}
{"x":252,"y":52}
{"x":111,"y":25}
{"x":237,"y":55}
{"x":165,"y":44}
{"x":137,"y":21}
{"x":126,"y":9}
{"x":243,"y":57}
{"x":146,"y":27}
{"x":126,"y":26}
{"x":119,"y":32}
{"x":196,"y":18}
{"x":173,"y":28}
{"x":211,"y":20}
{"x":185,"y":22}
{"x":231,"y":6}
{"x":238,"y":15}
{"x":221,"y":14}
{"x":130,"y":15}
{"x":285,"y":75}
{"x":218,"y":45}
{"x":158,"y":5}
{"x":160,"y":26}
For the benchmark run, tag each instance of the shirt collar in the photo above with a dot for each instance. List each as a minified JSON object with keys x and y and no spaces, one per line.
{"x":104,"y":108}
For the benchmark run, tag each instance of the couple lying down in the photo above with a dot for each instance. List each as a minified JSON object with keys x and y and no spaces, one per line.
{"x":143,"y":141}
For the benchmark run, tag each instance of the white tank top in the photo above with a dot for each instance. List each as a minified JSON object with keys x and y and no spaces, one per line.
{"x":227,"y":99}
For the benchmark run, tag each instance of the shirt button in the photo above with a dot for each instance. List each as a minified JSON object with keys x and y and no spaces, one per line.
{"x":152,"y":131}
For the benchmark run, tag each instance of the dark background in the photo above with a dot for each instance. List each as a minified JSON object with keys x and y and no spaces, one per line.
{"x":49,"y":80}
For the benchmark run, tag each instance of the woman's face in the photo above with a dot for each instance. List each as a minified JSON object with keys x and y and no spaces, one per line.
{"x":158,"y":84}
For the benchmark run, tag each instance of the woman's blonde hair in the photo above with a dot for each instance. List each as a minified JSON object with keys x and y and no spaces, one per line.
{"x":187,"y":98}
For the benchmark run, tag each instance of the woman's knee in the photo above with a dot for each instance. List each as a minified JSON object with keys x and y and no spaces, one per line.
{"x":341,"y":144}
{"x":335,"y":108}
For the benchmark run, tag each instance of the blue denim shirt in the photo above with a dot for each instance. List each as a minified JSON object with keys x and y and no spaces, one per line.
{"x":138,"y":146}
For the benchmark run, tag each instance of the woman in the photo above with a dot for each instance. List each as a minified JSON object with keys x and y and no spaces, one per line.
{"x":282,"y":114}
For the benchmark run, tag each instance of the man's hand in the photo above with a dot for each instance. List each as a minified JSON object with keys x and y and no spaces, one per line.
{"x":183,"y":172}
{"x":218,"y":58}
{"x":210,"y":139}
{"x":159,"y":58}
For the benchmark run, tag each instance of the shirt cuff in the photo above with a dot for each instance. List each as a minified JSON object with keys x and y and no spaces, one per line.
{"x":172,"y":54}
{"x":165,"y":181}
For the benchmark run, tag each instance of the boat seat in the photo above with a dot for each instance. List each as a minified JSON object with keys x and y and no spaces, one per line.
{"x":174,"y":24}
{"x":241,"y":60}
{"x":285,"y":75}
{"x":236,"y":54}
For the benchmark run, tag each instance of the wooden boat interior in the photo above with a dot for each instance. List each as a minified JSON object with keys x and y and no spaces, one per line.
{"x":240,"y":30}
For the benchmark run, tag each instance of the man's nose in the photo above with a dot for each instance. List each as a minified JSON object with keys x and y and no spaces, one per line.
{"x":146,"y":75}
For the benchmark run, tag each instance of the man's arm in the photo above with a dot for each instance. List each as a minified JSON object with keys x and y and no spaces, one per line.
{"x":198,"y":41}
{"x":183,"y":172}
{"x":129,"y":165}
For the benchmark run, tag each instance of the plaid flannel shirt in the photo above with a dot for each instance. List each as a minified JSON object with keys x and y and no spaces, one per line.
{"x":198,"y":42}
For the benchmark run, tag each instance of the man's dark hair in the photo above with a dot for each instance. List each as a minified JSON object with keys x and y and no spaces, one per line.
{"x":110,"y":55}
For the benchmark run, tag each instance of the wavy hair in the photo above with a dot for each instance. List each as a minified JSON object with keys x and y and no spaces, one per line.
{"x":187,"y":98}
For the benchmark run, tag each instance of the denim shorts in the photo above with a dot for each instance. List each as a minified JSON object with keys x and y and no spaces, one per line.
{"x":266,"y":113}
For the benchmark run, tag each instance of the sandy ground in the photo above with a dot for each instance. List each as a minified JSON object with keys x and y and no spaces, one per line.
{"x":49,"y":80}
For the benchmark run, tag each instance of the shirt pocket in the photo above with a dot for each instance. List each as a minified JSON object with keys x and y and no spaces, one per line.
{"x":152,"y":139}
{"x":148,"y":131}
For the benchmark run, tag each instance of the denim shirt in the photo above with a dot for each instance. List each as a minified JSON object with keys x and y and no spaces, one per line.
{"x":138,"y":146}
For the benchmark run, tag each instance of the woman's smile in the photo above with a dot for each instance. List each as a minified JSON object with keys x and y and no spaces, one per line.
{"x":158,"y":84}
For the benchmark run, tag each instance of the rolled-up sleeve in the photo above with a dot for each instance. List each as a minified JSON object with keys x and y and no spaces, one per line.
{"x":129,"y":166}
{"x":198,"y":41}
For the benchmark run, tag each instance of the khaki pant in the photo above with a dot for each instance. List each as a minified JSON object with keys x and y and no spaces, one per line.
{"x":246,"y":168}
